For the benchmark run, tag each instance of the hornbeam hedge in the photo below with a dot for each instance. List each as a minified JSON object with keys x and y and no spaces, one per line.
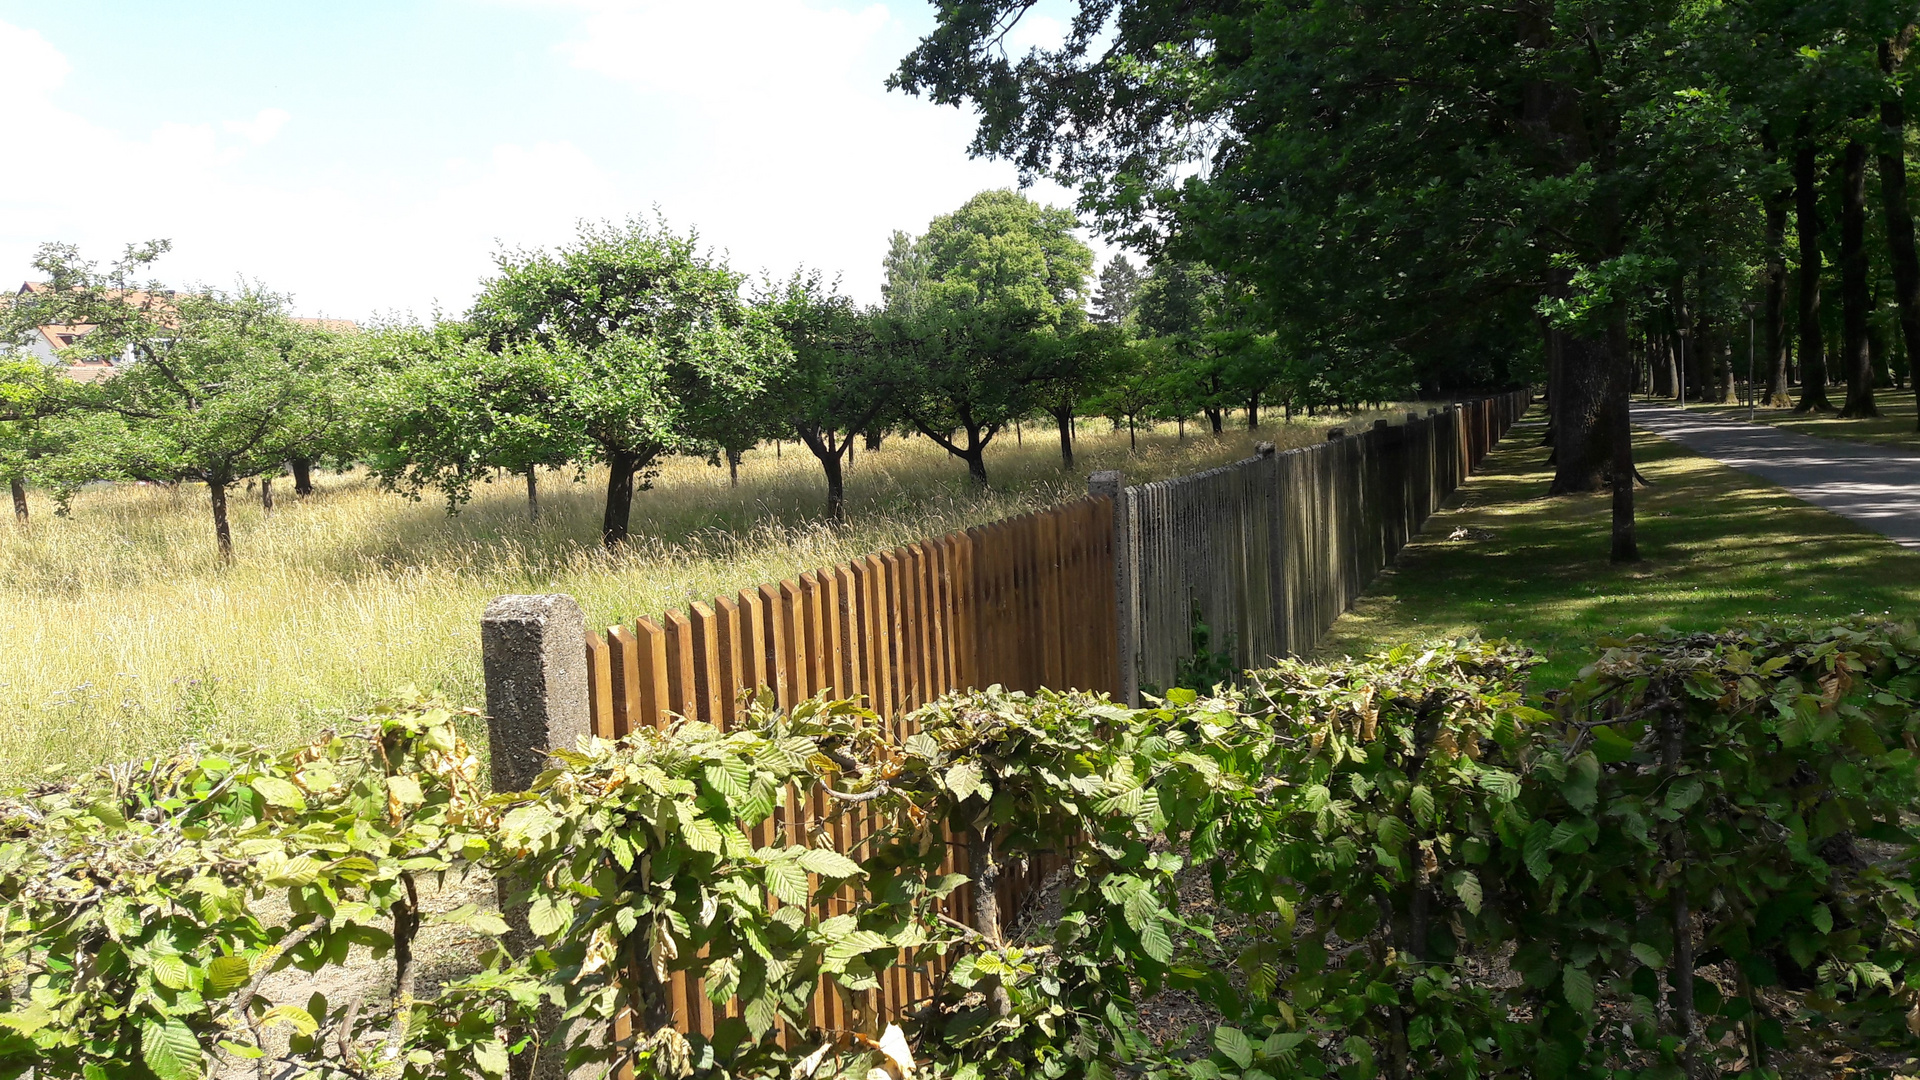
{"x":1697,"y":859}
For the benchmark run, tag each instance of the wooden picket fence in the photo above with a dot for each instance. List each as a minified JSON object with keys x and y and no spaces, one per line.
{"x":1098,"y":594}
{"x":1267,"y":552}
{"x":1025,"y":603}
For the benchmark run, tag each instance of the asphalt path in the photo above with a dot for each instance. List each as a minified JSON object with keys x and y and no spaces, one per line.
{"x":1875,"y":486}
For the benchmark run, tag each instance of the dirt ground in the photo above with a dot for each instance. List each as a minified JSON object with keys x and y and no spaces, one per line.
{"x":444,"y":952}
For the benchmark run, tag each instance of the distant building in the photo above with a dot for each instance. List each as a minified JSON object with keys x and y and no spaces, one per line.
{"x":47,"y":342}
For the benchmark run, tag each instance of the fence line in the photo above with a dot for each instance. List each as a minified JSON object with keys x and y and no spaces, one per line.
{"x":1097,"y":594}
{"x":1267,"y":552}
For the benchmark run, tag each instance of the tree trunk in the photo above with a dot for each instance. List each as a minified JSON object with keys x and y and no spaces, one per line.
{"x":1133,"y":443}
{"x":1702,"y":351}
{"x":985,"y":871}
{"x":1253,"y":412}
{"x":1625,"y":547}
{"x":19,"y":487}
{"x":1877,"y":347}
{"x":1806,"y":202}
{"x":733,"y":468}
{"x":1683,"y":344}
{"x":533,"y":495}
{"x":836,"y":484}
{"x":873,"y":438}
{"x":1063,"y":417}
{"x":621,"y":465}
{"x":1215,"y":417}
{"x":1581,"y":445}
{"x":302,"y":476}
{"x":1551,"y":341}
{"x":1893,"y":194}
{"x":976,"y":459}
{"x":266,"y":495}
{"x":1660,"y":362}
{"x":1856,"y":356}
{"x":222,"y":534}
{"x":1779,"y":349}
{"x":974,"y":453}
{"x":1775,"y":324}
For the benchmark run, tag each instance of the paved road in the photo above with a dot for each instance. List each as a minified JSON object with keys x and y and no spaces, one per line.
{"x":1875,"y":486}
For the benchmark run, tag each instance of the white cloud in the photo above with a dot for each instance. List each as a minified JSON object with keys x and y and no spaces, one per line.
{"x":763,"y":54}
{"x":33,"y":66}
{"x":263,"y":127}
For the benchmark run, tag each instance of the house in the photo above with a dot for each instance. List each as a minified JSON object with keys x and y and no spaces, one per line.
{"x":47,"y":343}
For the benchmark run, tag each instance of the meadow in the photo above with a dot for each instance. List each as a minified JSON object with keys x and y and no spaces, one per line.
{"x":122,"y":635}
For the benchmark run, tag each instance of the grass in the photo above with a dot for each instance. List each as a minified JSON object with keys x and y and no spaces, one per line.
{"x":121,"y":635}
{"x":1718,"y":546}
{"x":1895,"y":426}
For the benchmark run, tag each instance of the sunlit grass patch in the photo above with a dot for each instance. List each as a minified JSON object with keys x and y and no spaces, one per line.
{"x":1895,"y":426}
{"x":1717,"y":546}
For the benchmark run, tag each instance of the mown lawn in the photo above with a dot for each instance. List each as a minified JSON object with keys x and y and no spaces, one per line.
{"x":1895,"y":426}
{"x":1718,"y":546}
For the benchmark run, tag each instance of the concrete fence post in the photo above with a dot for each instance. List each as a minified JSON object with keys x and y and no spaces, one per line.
{"x":1112,"y":484}
{"x":533,"y":650}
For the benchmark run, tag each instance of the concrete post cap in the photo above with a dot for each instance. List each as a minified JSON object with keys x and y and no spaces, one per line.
{"x":1106,"y":482}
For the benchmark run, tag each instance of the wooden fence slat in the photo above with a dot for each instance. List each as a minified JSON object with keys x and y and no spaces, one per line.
{"x":731,"y":677}
{"x":965,"y":597}
{"x":773,"y":607}
{"x":680,"y":677}
{"x":850,"y":668}
{"x":652,"y":682}
{"x":625,"y":662}
{"x":753,"y":641}
{"x":706,"y":692}
{"x":940,"y":670}
{"x":599,"y":687}
{"x":806,"y":643}
{"x":900,"y":617}
{"x":874,"y":612}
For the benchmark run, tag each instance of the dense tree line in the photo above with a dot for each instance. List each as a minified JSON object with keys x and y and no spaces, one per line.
{"x":1601,"y":192}
{"x":630,"y":344}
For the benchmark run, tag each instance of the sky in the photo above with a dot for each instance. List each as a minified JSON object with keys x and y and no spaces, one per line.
{"x":370,"y":157}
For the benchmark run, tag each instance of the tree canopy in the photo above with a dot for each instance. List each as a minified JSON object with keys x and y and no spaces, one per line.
{"x":653,"y":348}
{"x":1457,"y":193}
{"x":999,"y":282}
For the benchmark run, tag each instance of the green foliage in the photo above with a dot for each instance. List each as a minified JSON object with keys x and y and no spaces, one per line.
{"x":835,"y":383}
{"x":1406,"y":870}
{"x":445,"y":411}
{"x":131,"y":901}
{"x":651,"y":347}
{"x":30,"y":396}
{"x":215,"y":387}
{"x":975,"y":321}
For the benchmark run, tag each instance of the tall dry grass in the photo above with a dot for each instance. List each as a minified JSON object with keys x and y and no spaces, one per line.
{"x":121,"y":635}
